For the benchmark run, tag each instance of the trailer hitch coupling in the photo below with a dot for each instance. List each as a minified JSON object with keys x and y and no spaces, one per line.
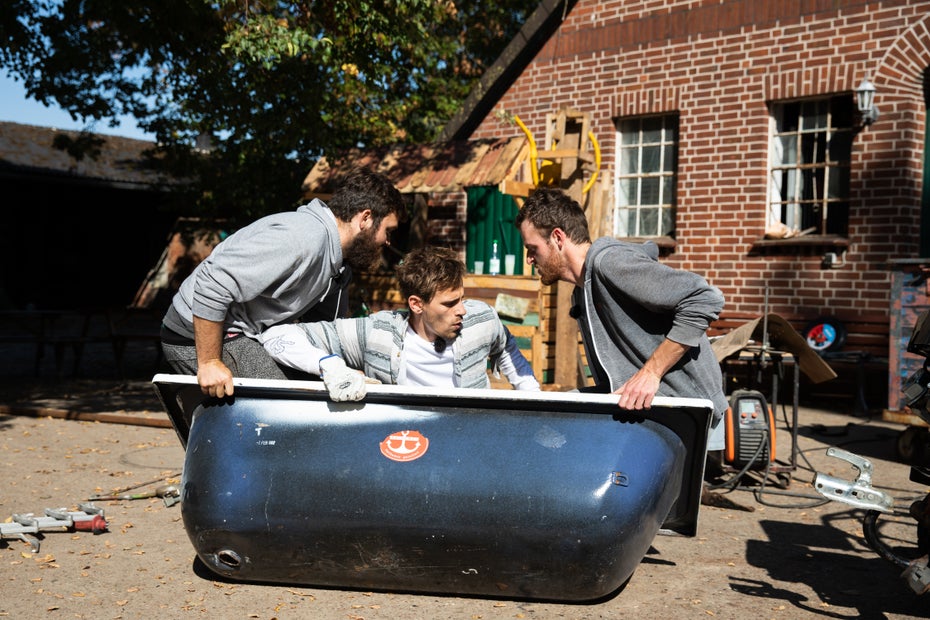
{"x":858,"y":492}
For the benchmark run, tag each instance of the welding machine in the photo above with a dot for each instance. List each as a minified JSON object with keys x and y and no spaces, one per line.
{"x":750,"y":431}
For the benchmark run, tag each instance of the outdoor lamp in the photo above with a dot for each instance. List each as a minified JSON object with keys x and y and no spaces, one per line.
{"x":865,"y":98}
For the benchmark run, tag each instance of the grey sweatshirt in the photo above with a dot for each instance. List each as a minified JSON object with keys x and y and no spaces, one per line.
{"x":630,"y":302}
{"x":269,"y":272}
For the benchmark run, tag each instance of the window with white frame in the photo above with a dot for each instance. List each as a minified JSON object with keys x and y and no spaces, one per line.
{"x":809,"y":166}
{"x":647,"y":170}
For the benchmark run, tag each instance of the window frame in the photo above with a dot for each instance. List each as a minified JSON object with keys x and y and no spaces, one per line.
{"x":665,"y":176}
{"x":829,"y":121}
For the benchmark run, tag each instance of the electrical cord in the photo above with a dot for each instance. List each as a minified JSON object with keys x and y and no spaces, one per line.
{"x":735,"y":478}
{"x":764,"y":488}
{"x":820,"y":501}
{"x":732,"y":483}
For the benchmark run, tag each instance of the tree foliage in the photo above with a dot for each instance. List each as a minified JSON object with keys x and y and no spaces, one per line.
{"x":274,"y":83}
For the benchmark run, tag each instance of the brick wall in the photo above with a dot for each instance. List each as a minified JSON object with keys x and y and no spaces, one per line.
{"x":717,"y":64}
{"x":446,"y":220}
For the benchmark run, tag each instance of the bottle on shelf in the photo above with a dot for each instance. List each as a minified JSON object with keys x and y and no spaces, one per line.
{"x":494,"y":263}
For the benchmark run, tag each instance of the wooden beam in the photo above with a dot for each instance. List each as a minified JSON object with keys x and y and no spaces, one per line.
{"x":566,"y":344}
{"x":516,"y":188}
{"x":564,"y":153}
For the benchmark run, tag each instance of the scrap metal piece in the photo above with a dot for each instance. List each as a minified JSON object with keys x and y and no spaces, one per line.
{"x":917,"y":575}
{"x":858,"y":492}
{"x":165,"y":490}
{"x":21,"y":531}
{"x":88,"y":519}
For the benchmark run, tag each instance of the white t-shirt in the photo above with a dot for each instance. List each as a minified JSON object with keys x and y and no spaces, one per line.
{"x":423,"y":365}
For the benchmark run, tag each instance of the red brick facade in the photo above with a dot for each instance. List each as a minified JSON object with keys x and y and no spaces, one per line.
{"x":446,"y":220}
{"x":718,"y":65}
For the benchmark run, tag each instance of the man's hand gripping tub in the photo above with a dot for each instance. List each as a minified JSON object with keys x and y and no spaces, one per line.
{"x":343,"y":383}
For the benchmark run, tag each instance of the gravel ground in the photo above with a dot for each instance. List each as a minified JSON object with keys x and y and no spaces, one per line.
{"x":766,"y":552}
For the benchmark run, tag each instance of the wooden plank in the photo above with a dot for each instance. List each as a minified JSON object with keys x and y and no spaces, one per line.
{"x":522,"y":331}
{"x":508,"y":284}
{"x":516,"y":188}
{"x":902,"y":417}
{"x":566,"y":154}
{"x":154,"y":420}
{"x":509,"y":158}
{"x":491,"y":292}
{"x":546,"y":330}
{"x":566,"y":364}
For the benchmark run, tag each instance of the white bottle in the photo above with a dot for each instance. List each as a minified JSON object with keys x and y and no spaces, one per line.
{"x":494,"y":263}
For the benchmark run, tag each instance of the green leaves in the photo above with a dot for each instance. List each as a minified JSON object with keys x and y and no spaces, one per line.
{"x":275,"y":84}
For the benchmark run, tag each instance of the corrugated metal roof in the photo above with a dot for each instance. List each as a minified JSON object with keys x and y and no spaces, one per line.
{"x":114,"y":161}
{"x":416,"y":168}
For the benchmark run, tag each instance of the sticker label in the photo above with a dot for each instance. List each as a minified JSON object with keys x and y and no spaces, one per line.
{"x":404,"y":446}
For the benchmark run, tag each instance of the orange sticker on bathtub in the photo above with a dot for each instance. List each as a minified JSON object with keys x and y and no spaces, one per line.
{"x":404,"y":446}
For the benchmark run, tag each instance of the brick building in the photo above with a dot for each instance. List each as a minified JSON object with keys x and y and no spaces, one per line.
{"x":85,"y":218}
{"x":729,"y":132}
{"x":729,"y":90}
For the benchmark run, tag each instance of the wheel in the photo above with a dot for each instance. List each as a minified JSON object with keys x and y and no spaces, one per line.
{"x":825,"y":334}
{"x":911,"y":445}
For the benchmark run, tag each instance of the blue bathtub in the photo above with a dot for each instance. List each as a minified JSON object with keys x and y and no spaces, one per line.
{"x":496,"y":493}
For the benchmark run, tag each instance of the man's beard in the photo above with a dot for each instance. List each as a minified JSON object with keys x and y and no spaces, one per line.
{"x":550,"y":271}
{"x":364,"y":253}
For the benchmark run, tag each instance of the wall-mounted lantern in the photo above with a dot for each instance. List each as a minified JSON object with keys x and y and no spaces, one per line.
{"x":865,"y":99}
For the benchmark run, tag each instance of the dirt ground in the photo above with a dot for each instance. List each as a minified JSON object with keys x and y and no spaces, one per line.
{"x":791,"y":556}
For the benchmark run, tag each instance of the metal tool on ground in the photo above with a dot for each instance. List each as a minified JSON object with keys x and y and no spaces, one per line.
{"x":88,"y":519}
{"x":168,"y":492}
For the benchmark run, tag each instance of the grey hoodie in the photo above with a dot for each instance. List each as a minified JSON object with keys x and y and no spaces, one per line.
{"x":630,"y":302}
{"x":273,"y":270}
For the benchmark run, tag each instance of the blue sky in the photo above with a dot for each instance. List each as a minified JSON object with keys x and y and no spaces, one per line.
{"x":16,"y":107}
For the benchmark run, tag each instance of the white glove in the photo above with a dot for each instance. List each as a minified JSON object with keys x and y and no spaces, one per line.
{"x":342,"y":382}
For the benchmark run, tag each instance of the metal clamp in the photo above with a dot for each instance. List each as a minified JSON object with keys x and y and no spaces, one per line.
{"x":859,"y":492}
{"x":88,"y":519}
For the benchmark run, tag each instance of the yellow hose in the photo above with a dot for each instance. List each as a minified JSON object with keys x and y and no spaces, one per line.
{"x":597,"y":163}
{"x":533,"y":152}
{"x":529,"y":137}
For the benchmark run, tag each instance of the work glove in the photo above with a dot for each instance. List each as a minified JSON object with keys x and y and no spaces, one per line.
{"x":342,"y":382}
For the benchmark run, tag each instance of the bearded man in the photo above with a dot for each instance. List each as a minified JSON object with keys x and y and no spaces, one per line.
{"x":273,"y":271}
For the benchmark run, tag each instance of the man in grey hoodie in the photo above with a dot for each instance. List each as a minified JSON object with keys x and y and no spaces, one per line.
{"x":274,"y":271}
{"x":643,"y":323}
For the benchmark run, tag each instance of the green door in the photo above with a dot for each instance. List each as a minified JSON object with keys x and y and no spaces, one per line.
{"x":490,"y":216}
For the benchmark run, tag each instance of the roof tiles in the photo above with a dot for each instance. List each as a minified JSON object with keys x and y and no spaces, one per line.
{"x":419,"y":168}
{"x":108,"y":159}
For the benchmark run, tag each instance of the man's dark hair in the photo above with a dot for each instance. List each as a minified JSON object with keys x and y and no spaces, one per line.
{"x":363,"y":189}
{"x":428,"y":270}
{"x":549,"y":208}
